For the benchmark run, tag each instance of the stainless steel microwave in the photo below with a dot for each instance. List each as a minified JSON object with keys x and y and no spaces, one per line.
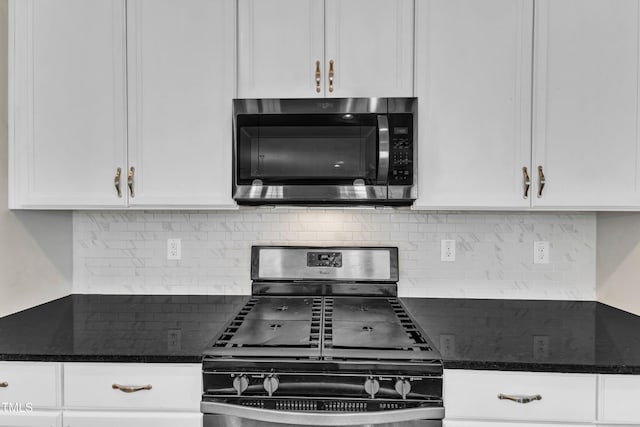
{"x":325,"y":151}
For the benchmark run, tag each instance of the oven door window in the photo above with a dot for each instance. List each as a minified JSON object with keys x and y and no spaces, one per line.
{"x":307,"y":149}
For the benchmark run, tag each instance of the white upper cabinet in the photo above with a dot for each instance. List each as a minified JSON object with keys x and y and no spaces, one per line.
{"x":67,"y":95}
{"x":473,"y":83}
{"x":181,"y":56}
{"x":280,"y":42}
{"x":585,"y":119}
{"x":325,"y":48}
{"x":370,"y":44}
{"x":104,"y":116}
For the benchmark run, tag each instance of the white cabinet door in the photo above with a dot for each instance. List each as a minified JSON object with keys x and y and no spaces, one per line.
{"x":279,"y":44}
{"x":585,"y":121}
{"x":618,"y":397}
{"x":30,"y":419}
{"x":67,"y":132}
{"x":36,"y":383}
{"x":473,"y":83}
{"x":181,"y":72}
{"x":131,"y":419}
{"x":285,"y":48}
{"x":370,"y":43}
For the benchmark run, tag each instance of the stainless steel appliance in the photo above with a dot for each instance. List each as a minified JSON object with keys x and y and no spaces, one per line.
{"x":325,"y":151}
{"x":323,"y":341}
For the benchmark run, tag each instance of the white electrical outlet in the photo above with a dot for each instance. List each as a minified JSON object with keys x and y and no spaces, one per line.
{"x":174,"y":250}
{"x":447,"y":250}
{"x":541,"y":252}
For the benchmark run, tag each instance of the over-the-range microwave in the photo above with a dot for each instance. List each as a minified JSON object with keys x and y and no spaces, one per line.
{"x":325,"y":151}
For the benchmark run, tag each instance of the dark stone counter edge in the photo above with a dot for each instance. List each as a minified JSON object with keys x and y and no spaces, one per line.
{"x":458,"y":364}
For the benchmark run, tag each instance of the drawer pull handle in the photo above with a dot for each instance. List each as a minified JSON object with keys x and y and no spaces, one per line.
{"x":519,"y":399}
{"x":131,"y":388}
{"x":4,"y":384}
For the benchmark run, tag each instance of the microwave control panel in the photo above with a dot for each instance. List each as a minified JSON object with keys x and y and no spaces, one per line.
{"x":401,"y":149}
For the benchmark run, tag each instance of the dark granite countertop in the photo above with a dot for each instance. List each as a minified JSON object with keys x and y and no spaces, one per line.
{"x":553,"y":336}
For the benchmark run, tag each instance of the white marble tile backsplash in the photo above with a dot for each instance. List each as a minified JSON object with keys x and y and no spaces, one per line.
{"x":125,"y":252}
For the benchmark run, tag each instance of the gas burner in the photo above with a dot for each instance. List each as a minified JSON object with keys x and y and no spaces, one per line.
{"x":367,"y":328}
{"x":275,"y":326}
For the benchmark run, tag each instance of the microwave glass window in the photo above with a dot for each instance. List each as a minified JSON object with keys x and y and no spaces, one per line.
{"x":341,"y":152}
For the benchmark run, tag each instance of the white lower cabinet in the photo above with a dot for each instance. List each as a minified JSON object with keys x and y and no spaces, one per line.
{"x":557,"y":398}
{"x":618,"y":397}
{"x":30,"y":394}
{"x":131,"y":419}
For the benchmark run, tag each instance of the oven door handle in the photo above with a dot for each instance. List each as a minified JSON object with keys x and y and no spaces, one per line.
{"x":302,"y":418}
{"x":383,"y":149}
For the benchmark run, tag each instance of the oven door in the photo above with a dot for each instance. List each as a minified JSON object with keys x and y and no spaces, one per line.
{"x":226,"y":415}
{"x":231,"y":421}
{"x":310,"y":157}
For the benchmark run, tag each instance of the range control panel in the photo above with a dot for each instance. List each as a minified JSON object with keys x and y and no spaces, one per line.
{"x":324,"y":259}
{"x":401,"y":149}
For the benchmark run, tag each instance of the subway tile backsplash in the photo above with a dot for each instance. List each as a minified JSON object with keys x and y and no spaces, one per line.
{"x":126,"y":252}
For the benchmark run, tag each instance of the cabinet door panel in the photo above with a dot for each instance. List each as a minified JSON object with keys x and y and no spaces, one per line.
{"x":181,"y":83}
{"x":279,"y":42}
{"x":585,"y":131}
{"x":474,"y":89}
{"x":67,"y":98}
{"x":35,"y":383}
{"x":371,"y":44}
{"x":617,"y":399}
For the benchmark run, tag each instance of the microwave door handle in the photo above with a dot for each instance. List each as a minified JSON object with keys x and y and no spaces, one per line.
{"x":383,"y":152}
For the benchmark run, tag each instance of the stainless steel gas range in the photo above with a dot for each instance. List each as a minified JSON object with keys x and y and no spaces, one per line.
{"x":323,"y":341}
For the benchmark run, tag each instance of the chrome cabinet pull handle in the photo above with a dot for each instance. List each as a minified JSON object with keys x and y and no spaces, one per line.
{"x":4,"y":384}
{"x":527,"y":182}
{"x":519,"y":399}
{"x":130,"y":181}
{"x":542,"y":181}
{"x":116,"y":181}
{"x":318,"y":76}
{"x":331,"y":73}
{"x":131,"y":388}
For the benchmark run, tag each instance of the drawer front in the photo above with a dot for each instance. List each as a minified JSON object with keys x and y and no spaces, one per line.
{"x":618,"y":399}
{"x":131,"y":419}
{"x":37,"y":384}
{"x":165,"y":386}
{"x":564,"y":397}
